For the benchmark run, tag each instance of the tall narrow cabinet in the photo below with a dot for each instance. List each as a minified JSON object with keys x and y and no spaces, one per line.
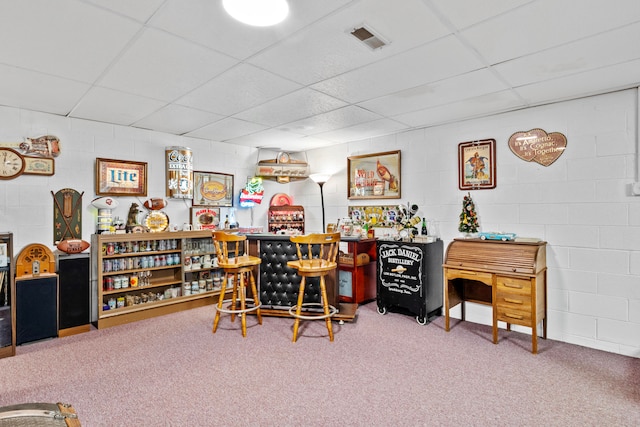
{"x":142,"y":275}
{"x":7,"y":297}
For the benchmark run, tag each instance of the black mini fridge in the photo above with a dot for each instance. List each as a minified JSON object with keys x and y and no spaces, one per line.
{"x":409,"y":278}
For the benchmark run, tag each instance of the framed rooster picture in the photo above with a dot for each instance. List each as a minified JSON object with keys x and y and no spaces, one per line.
{"x":374,"y":176}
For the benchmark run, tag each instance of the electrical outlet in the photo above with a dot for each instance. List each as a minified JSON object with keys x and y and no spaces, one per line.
{"x":35,"y":267}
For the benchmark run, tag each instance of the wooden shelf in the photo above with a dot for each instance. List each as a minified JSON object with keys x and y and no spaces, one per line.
{"x":162,"y":277}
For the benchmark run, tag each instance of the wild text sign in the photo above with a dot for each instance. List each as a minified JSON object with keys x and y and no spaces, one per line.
{"x":538,"y":145}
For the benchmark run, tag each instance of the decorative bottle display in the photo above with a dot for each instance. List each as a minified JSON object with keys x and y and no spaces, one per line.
{"x":286,"y":219}
{"x":144,"y":275}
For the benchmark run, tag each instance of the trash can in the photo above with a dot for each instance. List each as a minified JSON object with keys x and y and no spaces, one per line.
{"x":409,"y":278}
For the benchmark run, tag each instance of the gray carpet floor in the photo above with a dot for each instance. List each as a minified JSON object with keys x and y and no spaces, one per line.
{"x":380,"y":371}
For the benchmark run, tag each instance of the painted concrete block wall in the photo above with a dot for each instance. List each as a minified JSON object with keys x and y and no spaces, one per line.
{"x":26,"y":203}
{"x":581,"y":205}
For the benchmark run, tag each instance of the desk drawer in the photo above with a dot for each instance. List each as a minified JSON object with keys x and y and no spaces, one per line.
{"x":510,"y":300}
{"x":513,"y":285}
{"x":517,"y":317}
{"x":469,"y":274}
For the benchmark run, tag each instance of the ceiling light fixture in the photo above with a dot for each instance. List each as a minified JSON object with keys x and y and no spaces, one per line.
{"x":259,"y":13}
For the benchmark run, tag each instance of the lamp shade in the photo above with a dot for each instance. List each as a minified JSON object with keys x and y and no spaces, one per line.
{"x":259,"y":13}
{"x":320,"y":178}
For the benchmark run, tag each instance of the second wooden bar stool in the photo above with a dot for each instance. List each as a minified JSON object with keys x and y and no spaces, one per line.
{"x":316,"y":258}
{"x":235,"y":262}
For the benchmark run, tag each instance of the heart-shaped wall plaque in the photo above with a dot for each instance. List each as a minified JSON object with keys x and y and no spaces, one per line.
{"x":538,"y":145}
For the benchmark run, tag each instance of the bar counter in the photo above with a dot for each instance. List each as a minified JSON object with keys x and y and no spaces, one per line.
{"x":278,"y":284}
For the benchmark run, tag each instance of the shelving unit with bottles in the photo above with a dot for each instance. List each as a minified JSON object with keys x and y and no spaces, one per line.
{"x":286,"y":218}
{"x":7,"y":297}
{"x":143,"y":275}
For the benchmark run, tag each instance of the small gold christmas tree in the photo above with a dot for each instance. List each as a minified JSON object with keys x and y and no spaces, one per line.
{"x":468,"y":217}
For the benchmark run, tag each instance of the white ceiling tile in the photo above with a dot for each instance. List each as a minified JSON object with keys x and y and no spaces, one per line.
{"x":294,"y":106}
{"x":106,"y":105}
{"x":65,"y":38}
{"x":327,"y":48}
{"x":332,"y":120}
{"x":442,"y":92}
{"x":186,"y":67}
{"x":206,"y":23}
{"x":177,"y":119}
{"x":161,"y":66}
{"x":238,"y":89}
{"x":37,"y":91}
{"x":463,"y":14}
{"x":226,"y":129}
{"x":273,"y":138}
{"x":483,"y":105}
{"x":593,"y":52}
{"x":619,"y":76}
{"x":140,"y":10}
{"x":546,"y":23}
{"x":364,"y":130}
{"x":432,"y":62}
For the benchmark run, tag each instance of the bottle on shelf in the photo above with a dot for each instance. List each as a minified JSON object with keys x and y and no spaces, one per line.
{"x":226,"y":222}
{"x":424,"y":227}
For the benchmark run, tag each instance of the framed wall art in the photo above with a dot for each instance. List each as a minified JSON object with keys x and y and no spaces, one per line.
{"x":477,"y":165}
{"x":212,"y":189}
{"x":120,"y":178}
{"x":374,"y":176}
{"x":205,"y":218}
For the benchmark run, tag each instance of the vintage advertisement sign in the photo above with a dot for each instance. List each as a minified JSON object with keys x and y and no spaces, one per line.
{"x":401,"y":268}
{"x":538,"y":146}
{"x":179,"y":172}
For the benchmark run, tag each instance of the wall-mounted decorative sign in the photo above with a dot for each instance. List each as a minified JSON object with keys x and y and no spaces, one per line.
{"x":42,"y":146}
{"x":39,"y":165}
{"x":212,"y":189}
{"x":538,"y":146}
{"x":205,"y":218}
{"x":120,"y":178}
{"x":179,"y":172}
{"x":67,"y":215}
{"x":374,"y":176}
{"x":477,"y":164}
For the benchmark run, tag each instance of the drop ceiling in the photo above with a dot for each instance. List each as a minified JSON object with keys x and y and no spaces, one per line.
{"x":185,"y":67}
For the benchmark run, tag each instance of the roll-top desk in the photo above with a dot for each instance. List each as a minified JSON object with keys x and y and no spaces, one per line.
{"x":509,"y":276}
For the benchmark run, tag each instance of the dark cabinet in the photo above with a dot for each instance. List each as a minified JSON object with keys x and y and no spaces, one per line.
{"x":409,"y":278}
{"x":7,"y":297}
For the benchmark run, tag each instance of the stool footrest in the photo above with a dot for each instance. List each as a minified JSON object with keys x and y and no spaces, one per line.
{"x":237,"y":310}
{"x":332,"y":311}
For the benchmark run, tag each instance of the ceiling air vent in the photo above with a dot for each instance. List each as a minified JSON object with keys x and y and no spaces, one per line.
{"x":366,"y":36}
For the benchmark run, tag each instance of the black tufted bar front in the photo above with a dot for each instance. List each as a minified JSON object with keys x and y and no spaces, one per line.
{"x":278,"y":284}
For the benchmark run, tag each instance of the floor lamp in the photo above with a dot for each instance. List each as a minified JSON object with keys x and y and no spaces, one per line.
{"x":320,"y":179}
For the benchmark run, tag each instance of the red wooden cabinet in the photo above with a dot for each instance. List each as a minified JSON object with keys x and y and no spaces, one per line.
{"x":357,"y":280}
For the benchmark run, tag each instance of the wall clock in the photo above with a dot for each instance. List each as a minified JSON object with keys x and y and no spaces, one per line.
{"x":12,"y":164}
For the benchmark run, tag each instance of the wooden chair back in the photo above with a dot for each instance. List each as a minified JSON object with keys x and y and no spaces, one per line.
{"x":328,"y":250}
{"x":229,"y":247}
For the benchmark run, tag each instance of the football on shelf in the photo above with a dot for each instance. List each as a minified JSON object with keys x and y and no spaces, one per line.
{"x":155,"y":204}
{"x":73,"y":246}
{"x":105,"y":203}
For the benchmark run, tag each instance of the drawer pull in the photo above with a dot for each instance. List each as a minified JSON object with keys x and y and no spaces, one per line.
{"x":513,"y":301}
{"x":514,"y":316}
{"x":511,"y":285}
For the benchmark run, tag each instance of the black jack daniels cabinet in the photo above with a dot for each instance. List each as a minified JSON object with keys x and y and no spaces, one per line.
{"x":409,"y":278}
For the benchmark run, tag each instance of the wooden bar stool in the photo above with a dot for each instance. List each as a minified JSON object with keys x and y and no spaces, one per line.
{"x":240,"y":269}
{"x":307,"y":265}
